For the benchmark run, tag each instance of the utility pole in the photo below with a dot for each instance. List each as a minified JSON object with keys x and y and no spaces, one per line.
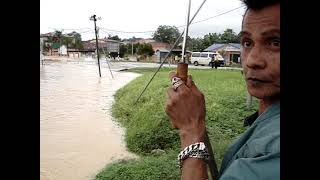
{"x":94,"y":19}
{"x":60,"y":41}
{"x":132,"y":48}
{"x":41,"y":50}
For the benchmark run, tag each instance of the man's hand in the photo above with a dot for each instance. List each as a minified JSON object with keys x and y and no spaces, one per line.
{"x":186,"y":109}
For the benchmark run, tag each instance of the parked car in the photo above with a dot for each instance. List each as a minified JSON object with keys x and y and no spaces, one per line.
{"x":205,"y":58}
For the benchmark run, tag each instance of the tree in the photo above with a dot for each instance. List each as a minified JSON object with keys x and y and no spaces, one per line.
{"x":66,"y":41}
{"x":167,"y":34}
{"x":196,"y":44}
{"x":114,"y":37}
{"x":145,"y":49}
{"x":139,"y":49}
{"x":211,"y":38}
{"x":72,"y":40}
{"x":57,"y":36}
{"x":125,"y":49}
{"x":78,"y":41}
{"x":228,"y":36}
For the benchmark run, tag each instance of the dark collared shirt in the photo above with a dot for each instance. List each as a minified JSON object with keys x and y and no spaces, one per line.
{"x":256,"y":154}
{"x":249,"y":120}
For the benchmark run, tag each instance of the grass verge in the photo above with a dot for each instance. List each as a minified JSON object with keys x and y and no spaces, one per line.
{"x":148,"y":128}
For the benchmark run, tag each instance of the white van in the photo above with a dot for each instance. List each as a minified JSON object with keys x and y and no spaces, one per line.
{"x":205,"y":58}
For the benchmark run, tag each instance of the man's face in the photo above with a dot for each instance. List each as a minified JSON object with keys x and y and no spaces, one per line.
{"x":260,"y":51}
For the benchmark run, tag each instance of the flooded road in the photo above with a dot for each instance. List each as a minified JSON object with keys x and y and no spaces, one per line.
{"x":77,"y":134}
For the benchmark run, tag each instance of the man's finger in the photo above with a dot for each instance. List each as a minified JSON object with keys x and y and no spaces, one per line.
{"x":190,"y":82}
{"x":172,"y":74}
{"x":170,"y":93}
{"x":182,"y":87}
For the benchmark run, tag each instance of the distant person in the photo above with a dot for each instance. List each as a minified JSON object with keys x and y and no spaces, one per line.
{"x":212,"y":61}
{"x":216,"y":61}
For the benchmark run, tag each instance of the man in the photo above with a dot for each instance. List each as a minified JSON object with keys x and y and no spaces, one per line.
{"x":216,"y":62}
{"x":212,"y":61}
{"x":256,"y":154}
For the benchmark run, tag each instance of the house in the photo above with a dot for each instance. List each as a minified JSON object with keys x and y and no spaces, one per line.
{"x":47,"y":35}
{"x":160,"y":45}
{"x":43,"y":40}
{"x":142,"y":41}
{"x":108,"y":44}
{"x":229,"y":51}
{"x":161,"y":53}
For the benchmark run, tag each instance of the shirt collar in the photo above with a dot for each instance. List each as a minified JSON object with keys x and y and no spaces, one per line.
{"x":250,"y":119}
{"x":275,"y":108}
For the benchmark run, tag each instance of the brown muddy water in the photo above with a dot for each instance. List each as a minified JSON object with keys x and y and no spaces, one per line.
{"x":77,"y":133}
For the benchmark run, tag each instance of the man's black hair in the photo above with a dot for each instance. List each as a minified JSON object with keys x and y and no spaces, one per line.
{"x":259,"y":4}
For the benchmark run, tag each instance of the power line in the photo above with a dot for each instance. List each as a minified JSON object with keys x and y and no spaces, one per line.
{"x":89,"y":31}
{"x":76,"y":29}
{"x":73,"y":29}
{"x":105,"y":30}
{"x":218,"y":15}
{"x":133,"y":32}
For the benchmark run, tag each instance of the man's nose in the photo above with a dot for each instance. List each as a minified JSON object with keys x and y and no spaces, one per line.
{"x":256,"y":58}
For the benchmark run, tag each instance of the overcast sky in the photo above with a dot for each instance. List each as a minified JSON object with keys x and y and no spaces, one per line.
{"x":137,"y":16}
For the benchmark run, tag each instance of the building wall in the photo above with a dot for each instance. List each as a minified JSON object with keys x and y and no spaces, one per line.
{"x":228,"y":55}
{"x":74,"y":54}
{"x":227,"y":51}
{"x":141,"y":41}
{"x":110,"y":45}
{"x":159,"y":45}
{"x":113,"y":47}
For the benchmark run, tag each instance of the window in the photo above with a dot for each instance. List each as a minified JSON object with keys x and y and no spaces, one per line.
{"x":204,"y":55}
{"x":196,"y":55}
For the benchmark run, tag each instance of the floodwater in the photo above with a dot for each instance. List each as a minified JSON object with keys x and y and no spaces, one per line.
{"x":77,"y":134}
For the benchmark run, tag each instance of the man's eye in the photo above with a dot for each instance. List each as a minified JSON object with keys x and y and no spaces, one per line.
{"x":275,"y":43}
{"x":247,"y":44}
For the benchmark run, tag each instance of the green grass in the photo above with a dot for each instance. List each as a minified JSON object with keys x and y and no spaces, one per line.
{"x":146,"y":168}
{"x":234,"y":65}
{"x":148,"y":127}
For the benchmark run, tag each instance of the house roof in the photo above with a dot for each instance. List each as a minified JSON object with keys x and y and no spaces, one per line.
{"x":101,"y":41}
{"x":236,"y":45}
{"x":180,"y":50}
{"x":216,"y":46}
{"x":162,"y":50}
{"x":173,"y":50}
{"x":50,"y":34}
